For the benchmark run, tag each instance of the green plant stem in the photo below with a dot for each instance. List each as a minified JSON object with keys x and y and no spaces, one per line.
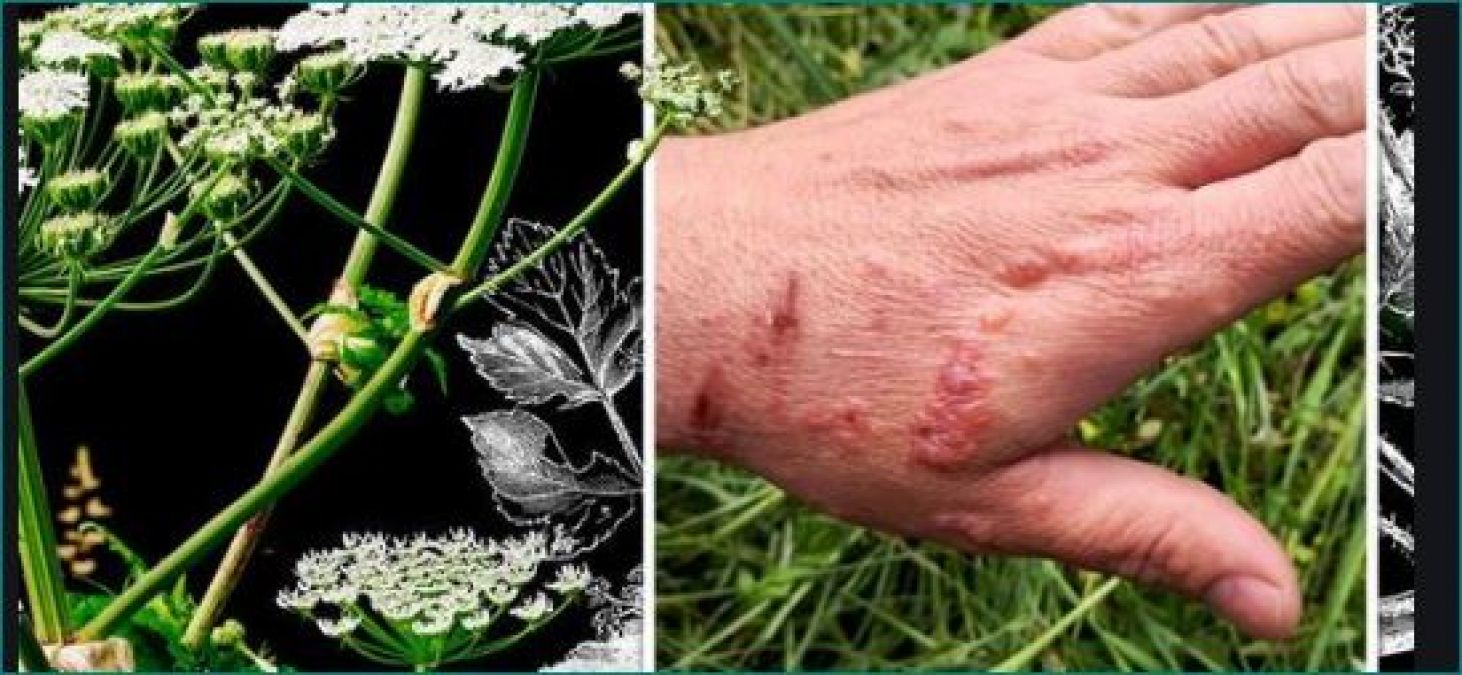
{"x":321,"y":447}
{"x":1351,"y":569}
{"x":504,"y":172}
{"x":372,"y":231}
{"x":266,"y":288}
{"x":32,"y":656}
{"x":41,"y":568}
{"x":73,"y":290}
{"x":572,"y":229}
{"x":236,"y":558}
{"x":383,"y":197}
{"x":1022,"y":659}
{"x":362,"y":405}
{"x":138,"y":273}
{"x":54,"y":349}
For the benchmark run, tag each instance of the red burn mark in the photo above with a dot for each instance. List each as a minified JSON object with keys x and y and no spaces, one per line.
{"x":782,"y":321}
{"x":847,"y":419}
{"x":946,"y":432}
{"x":705,"y":412}
{"x":1025,"y":272}
{"x":995,"y":319}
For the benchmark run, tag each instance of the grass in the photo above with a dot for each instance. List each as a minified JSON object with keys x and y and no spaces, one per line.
{"x":1271,"y":409}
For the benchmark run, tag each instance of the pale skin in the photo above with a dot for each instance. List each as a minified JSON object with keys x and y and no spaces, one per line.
{"x":898,"y":307}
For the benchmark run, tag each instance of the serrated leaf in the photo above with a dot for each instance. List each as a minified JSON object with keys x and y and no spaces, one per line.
{"x":577,"y":293}
{"x":527,"y":367}
{"x":531,"y":488}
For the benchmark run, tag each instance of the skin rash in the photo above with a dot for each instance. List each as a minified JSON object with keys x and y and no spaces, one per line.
{"x":897,"y":307}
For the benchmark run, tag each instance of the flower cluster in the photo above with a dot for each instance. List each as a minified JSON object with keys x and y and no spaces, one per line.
{"x":682,"y":92}
{"x":76,"y":51}
{"x":48,"y":93}
{"x":136,"y":27}
{"x":468,"y":45}
{"x":428,"y":591}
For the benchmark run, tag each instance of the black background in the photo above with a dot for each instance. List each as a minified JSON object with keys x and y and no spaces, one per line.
{"x":1437,"y":338}
{"x":181,"y":409}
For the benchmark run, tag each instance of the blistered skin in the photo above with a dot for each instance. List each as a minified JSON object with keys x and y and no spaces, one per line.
{"x":946,"y":434}
{"x":899,"y":307}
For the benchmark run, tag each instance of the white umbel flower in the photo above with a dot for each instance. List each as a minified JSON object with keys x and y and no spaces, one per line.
{"x":533,"y":609}
{"x":468,"y":44}
{"x":69,"y":48}
{"x":49,"y":93}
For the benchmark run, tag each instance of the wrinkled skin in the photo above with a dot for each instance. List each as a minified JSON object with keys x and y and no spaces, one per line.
{"x":898,"y":307}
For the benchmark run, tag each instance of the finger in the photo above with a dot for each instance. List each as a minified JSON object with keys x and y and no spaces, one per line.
{"x":1191,"y":54}
{"x":1117,"y":515}
{"x":1260,"y":114}
{"x":1276,"y":227}
{"x":1085,"y":31}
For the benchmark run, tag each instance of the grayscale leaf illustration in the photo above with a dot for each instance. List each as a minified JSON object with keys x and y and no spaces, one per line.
{"x":531,"y":487}
{"x":1397,"y":322}
{"x":571,"y":338}
{"x":526,"y":367}
{"x":578,"y":294}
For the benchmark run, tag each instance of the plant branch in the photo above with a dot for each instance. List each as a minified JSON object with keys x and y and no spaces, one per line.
{"x":138,"y":273}
{"x":372,"y":230}
{"x":266,"y":288}
{"x":383,"y":196}
{"x":44,"y":584}
{"x":361,"y":407}
{"x":569,"y":231}
{"x":235,"y":560}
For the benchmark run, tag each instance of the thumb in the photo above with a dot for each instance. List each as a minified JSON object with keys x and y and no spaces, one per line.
{"x":1108,"y":513}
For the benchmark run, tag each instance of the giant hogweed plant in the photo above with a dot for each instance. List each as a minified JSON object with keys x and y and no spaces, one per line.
{"x":142,"y":172}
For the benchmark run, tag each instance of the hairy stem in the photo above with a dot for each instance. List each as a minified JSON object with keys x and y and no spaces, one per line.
{"x":45,"y":587}
{"x":383,"y":197}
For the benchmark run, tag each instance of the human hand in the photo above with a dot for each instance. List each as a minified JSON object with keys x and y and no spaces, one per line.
{"x":898,"y":306}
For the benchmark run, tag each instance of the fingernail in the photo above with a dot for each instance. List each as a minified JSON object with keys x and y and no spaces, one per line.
{"x":1257,"y":606}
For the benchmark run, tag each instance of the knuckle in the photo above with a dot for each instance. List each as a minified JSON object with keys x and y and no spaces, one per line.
{"x":1128,"y":17}
{"x":1318,"y":88}
{"x":1226,"y":42}
{"x":1331,"y":175}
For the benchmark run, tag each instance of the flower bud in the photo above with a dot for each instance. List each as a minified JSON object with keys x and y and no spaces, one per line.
{"x":77,"y":191}
{"x":145,"y":31}
{"x":76,"y":237}
{"x":142,"y":136}
{"x":230,"y":634}
{"x":305,"y":135}
{"x":249,"y":50}
{"x":326,"y":74}
{"x":228,"y":199}
{"x":213,"y":49}
{"x":143,"y":92}
{"x":49,"y":128}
